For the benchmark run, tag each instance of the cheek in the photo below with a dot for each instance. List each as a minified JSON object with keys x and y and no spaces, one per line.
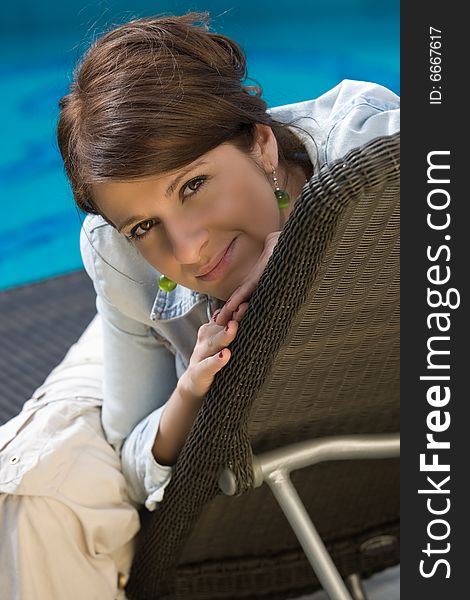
{"x":152,"y":252}
{"x":258,"y":207}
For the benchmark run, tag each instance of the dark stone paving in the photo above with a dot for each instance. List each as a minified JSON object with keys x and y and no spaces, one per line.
{"x":38,"y":324}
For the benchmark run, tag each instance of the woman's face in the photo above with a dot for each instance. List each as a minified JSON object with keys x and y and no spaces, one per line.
{"x":221,"y":198}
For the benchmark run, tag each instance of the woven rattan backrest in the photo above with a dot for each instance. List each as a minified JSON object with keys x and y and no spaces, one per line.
{"x":316,"y":354}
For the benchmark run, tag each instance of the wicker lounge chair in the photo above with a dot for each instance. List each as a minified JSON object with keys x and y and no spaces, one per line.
{"x":310,"y":399}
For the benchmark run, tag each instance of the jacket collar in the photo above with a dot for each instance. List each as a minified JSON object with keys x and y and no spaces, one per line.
{"x":175,"y":304}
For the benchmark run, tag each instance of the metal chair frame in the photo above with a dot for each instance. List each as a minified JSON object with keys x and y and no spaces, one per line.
{"x":274,"y":468}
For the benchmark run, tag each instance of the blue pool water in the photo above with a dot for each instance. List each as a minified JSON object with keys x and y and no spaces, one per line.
{"x":295,"y":57}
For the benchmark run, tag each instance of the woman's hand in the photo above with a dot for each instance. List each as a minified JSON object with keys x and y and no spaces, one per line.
{"x":210,"y":354}
{"x":243,"y":293}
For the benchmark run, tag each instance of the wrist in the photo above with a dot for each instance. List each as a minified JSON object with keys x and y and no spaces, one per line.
{"x":175,"y":423}
{"x":186,"y":389}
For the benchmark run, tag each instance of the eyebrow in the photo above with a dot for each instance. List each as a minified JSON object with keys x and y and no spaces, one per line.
{"x":169,"y":191}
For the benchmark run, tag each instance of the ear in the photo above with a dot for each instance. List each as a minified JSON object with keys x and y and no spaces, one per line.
{"x":266,"y":149}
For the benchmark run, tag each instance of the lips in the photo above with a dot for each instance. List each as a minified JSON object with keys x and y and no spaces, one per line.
{"x":214,"y":263}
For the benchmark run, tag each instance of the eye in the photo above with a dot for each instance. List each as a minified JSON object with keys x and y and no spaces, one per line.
{"x":134,"y":235}
{"x":201,"y":178}
{"x":139,"y":236}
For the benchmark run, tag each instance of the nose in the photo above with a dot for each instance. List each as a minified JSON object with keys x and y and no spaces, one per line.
{"x":188,"y":241}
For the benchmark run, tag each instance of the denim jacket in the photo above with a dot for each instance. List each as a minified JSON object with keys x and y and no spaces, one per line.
{"x":149,"y":334}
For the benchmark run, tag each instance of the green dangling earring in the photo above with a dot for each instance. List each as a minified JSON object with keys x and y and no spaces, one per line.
{"x":166,"y":284}
{"x":282,"y":196}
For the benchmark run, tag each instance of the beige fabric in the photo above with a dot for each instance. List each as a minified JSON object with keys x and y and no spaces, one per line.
{"x":66,"y":522}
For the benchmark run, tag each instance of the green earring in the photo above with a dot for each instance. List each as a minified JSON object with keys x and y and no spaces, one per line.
{"x":282,"y":196}
{"x":166,"y":284}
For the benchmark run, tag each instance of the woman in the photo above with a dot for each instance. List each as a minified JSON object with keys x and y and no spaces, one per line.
{"x":188,"y":180}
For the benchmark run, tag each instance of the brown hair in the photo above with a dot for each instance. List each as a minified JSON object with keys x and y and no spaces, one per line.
{"x":154,"y":94}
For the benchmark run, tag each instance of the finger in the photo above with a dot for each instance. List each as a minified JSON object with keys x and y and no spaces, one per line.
{"x":215,"y":314}
{"x":230,"y":306}
{"x":214,"y":363}
{"x":223,"y":356}
{"x":224,"y":316}
{"x":229,"y":332}
{"x":241,"y":311}
{"x":242,"y":294}
{"x":202,"y":373}
{"x":213,"y":338}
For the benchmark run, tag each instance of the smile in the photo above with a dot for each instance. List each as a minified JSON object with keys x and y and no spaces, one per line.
{"x":222,"y":266}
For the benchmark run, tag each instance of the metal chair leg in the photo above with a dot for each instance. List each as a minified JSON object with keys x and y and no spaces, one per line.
{"x":354,"y":583}
{"x":274,"y":467}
